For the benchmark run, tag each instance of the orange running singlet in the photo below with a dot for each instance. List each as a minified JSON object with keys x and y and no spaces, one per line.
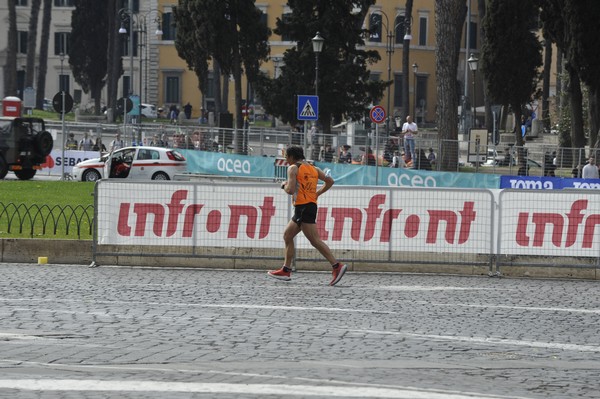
{"x":306,"y":184}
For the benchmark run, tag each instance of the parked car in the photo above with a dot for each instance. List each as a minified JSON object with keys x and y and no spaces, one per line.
{"x":149,"y":111}
{"x":24,"y":145}
{"x":141,"y":163}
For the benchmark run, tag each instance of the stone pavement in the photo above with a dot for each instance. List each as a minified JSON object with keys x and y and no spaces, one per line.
{"x":116,"y":332}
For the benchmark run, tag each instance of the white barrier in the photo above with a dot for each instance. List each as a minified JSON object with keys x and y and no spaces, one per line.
{"x":363,"y":224}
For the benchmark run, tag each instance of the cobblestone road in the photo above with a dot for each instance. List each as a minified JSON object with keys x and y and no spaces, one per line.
{"x":76,"y":332}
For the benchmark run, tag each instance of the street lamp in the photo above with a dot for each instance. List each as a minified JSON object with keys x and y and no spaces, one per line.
{"x":317,"y":44}
{"x":473,"y":64}
{"x":415,"y":68}
{"x":62,"y":114}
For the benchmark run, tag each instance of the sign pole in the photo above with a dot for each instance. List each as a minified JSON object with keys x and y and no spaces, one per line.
{"x":62,"y":117}
{"x":377,"y":154}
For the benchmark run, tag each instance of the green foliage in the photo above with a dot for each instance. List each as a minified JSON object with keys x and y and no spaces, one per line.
{"x":511,"y":57}
{"x":345,"y":88}
{"x":89,"y":46}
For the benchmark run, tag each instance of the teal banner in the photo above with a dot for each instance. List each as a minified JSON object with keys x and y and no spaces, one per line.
{"x":216,"y":163}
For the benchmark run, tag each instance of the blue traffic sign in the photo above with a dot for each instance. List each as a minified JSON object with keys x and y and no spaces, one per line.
{"x":308,"y":108}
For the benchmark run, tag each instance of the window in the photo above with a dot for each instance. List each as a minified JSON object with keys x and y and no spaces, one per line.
{"x":285,"y":18}
{"x":22,"y":42}
{"x":169,"y":30}
{"x":63,"y":83}
{"x":21,"y":3}
{"x":61,"y":42}
{"x":125,"y":4}
{"x":421,"y":96}
{"x":127,"y":88}
{"x":64,"y":3}
{"x":398,"y":90}
{"x":472,"y":35}
{"x":423,"y":31}
{"x":400,"y":30}
{"x":375,"y":28}
{"x":172,"y":90}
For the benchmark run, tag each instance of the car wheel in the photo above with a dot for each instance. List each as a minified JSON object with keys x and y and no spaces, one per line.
{"x":160,"y":176}
{"x":25,"y":174}
{"x":91,"y":175}
{"x":3,"y":167}
{"x":44,"y":143}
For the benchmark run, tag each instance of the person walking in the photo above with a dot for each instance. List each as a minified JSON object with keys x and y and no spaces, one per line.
{"x":302,"y":186}
{"x":409,"y":129}
{"x":590,"y":171}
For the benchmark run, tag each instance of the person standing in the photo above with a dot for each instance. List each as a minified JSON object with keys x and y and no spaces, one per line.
{"x":187,"y":110}
{"x":302,"y":186}
{"x":590,"y":170}
{"x":116,"y":143}
{"x":409,"y":129}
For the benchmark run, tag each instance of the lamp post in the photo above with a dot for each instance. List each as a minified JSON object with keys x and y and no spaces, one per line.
{"x":415,"y":69}
{"x":62,"y":114}
{"x":317,"y":45}
{"x":473,"y":64}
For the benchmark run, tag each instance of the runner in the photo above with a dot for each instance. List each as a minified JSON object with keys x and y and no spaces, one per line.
{"x":302,"y":185}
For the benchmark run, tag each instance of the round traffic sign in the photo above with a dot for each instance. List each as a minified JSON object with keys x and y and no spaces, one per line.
{"x":377,"y":114}
{"x":57,"y":102}
{"x":124,"y":105}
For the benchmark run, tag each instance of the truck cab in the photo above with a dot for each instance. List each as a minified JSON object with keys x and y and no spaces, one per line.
{"x":24,"y":146}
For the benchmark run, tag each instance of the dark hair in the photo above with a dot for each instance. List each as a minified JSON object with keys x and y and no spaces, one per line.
{"x":295,"y":152}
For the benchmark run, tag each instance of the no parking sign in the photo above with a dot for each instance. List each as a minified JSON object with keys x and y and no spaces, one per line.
{"x":377,"y":114}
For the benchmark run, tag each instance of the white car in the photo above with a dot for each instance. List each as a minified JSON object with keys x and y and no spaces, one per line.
{"x":140,"y":163}
{"x":149,"y":111}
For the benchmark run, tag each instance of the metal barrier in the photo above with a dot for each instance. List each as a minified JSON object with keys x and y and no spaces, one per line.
{"x":35,"y":220}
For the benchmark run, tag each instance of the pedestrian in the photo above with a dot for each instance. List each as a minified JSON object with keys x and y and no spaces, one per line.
{"x":345,"y":154}
{"x":116,"y":143}
{"x":301,"y":184}
{"x":187,"y":110}
{"x":410,"y":129}
{"x":71,"y":143}
{"x":99,"y":146}
{"x":86,"y":143}
{"x":590,"y":170}
{"x":397,"y":160}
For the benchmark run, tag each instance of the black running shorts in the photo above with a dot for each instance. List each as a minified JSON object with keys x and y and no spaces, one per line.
{"x":305,"y":213}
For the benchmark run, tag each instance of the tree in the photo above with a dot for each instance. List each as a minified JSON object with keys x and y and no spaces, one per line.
{"x":10,"y":68}
{"x":511,"y":56}
{"x":32,"y":42}
{"x":40,"y":94}
{"x":114,"y":61}
{"x":89,"y":47}
{"x":450,"y":18}
{"x":228,"y":32}
{"x":345,"y":87}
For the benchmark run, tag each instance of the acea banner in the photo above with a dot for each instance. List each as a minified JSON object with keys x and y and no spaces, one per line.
{"x":216,"y":163}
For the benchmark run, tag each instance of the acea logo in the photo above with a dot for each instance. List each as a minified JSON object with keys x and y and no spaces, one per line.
{"x":407,"y":180}
{"x":233,"y":166}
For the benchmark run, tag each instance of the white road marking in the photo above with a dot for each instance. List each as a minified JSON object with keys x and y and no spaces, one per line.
{"x":530,"y":308}
{"x":487,"y":340}
{"x":220,"y":388}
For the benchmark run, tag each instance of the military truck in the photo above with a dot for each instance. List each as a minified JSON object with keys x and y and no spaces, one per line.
{"x":24,"y":146}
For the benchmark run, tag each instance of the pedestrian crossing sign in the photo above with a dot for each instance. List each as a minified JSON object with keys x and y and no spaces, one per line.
{"x":308,"y":108}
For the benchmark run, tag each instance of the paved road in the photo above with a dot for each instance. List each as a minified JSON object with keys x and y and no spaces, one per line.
{"x":107,"y":332}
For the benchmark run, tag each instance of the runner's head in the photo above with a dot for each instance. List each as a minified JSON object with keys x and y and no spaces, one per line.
{"x":294,"y":153}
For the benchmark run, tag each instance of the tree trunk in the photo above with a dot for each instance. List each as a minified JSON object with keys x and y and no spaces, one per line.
{"x":405,"y":62}
{"x":113,"y":61}
{"x":32,"y":42}
{"x":546,"y":85}
{"x":43,"y":60}
{"x":577,"y":133}
{"x":10,"y":68}
{"x":449,"y":23}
